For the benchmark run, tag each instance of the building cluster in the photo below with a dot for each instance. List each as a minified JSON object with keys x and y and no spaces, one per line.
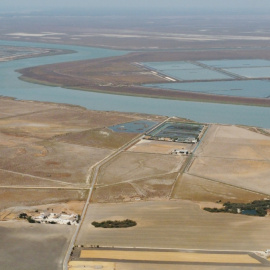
{"x":180,"y":152}
{"x":53,"y":218}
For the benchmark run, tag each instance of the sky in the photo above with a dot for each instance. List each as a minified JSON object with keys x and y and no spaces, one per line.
{"x":147,"y":5}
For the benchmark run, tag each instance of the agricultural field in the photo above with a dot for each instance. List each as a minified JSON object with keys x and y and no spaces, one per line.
{"x":170,"y":220}
{"x":174,"y":224}
{"x":235,"y":156}
{"x":116,"y":258}
{"x":157,"y":266}
{"x":33,"y":246}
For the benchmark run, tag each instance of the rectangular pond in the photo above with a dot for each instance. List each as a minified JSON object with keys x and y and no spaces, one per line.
{"x":186,"y":71}
{"x":249,"y":88}
{"x":140,"y":126}
{"x":178,"y":132}
{"x":252,"y":72}
{"x":241,"y":63}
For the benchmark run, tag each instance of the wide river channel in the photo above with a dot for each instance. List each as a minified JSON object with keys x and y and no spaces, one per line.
{"x":11,"y":86}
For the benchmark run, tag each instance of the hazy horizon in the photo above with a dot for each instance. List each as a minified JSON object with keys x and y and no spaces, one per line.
{"x":121,"y":7}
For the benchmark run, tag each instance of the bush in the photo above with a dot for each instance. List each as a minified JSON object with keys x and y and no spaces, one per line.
{"x":23,"y":215}
{"x":30,"y":220}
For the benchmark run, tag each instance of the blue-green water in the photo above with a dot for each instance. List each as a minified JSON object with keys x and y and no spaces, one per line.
{"x":249,"y":212}
{"x":251,"y":88}
{"x":11,"y":86}
{"x":186,"y":71}
{"x":251,"y":72}
{"x":241,"y":63}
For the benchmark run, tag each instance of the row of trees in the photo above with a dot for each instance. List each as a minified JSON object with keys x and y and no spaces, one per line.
{"x":115,"y":224}
{"x":257,"y":208}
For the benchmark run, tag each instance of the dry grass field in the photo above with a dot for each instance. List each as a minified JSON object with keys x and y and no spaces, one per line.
{"x":234,"y":142}
{"x":51,"y":160}
{"x":231,"y":164}
{"x":34,"y":197}
{"x":100,"y":137}
{"x":129,"y":166}
{"x":174,"y":224}
{"x":46,"y":145}
{"x":137,"y":176}
{"x":152,"y":188}
{"x":40,"y":170}
{"x":234,"y":156}
{"x":196,"y":188}
{"x":59,"y":120}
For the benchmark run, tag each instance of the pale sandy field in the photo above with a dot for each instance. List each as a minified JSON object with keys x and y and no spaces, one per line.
{"x":129,"y":166}
{"x":234,"y":156}
{"x":196,"y":188}
{"x":167,"y":256}
{"x":159,"y":147}
{"x":150,"y":266}
{"x":151,"y":188}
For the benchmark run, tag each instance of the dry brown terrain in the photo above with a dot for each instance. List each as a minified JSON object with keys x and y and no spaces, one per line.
{"x":36,"y":196}
{"x":49,"y":149}
{"x":48,"y":152}
{"x":231,"y":164}
{"x":100,"y":138}
{"x":129,"y":166}
{"x":150,"y":188}
{"x":196,"y":188}
{"x":137,"y":176}
{"x":45,"y":165}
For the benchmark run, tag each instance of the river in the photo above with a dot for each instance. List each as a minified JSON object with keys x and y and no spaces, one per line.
{"x":11,"y":86}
